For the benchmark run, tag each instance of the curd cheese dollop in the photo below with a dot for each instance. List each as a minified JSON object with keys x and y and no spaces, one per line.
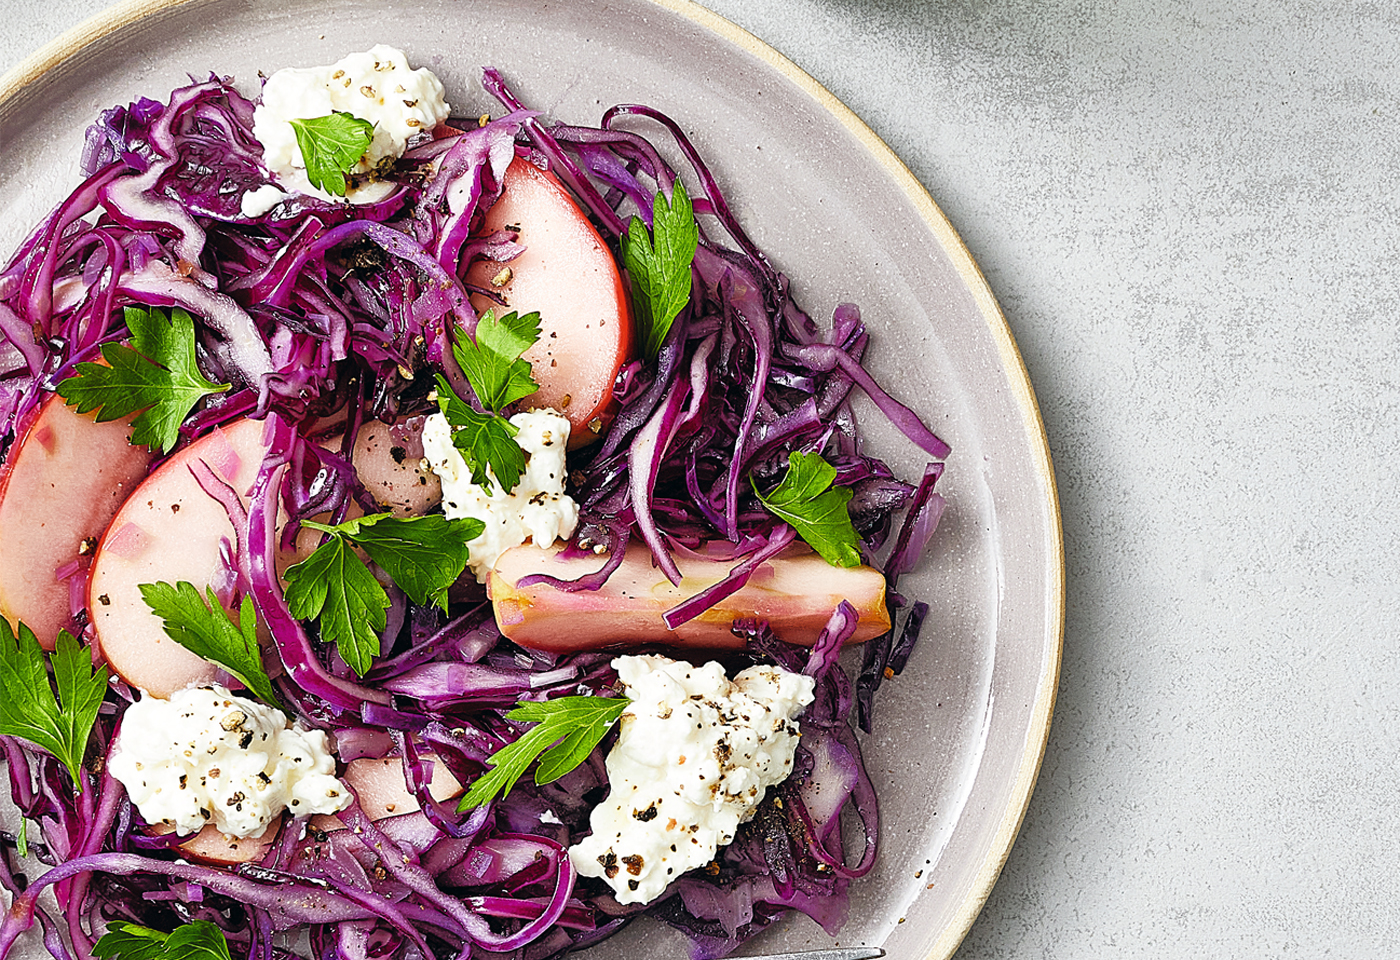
{"x":695,"y":755}
{"x":538,"y":507}
{"x":208,"y":756}
{"x":376,"y":85}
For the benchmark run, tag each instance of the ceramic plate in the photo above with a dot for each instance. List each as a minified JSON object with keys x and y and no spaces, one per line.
{"x":960,"y":735}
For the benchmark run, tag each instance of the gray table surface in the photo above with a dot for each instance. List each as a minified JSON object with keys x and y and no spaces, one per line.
{"x":1187,"y":211}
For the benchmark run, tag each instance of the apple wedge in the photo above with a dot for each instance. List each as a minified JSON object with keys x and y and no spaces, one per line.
{"x":568,"y":275}
{"x":170,"y":530}
{"x":379,"y":784}
{"x":66,"y":476}
{"x":394,"y":477}
{"x":212,"y":846}
{"x":795,"y":592}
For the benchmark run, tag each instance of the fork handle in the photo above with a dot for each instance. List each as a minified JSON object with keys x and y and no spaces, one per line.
{"x":836,"y":953}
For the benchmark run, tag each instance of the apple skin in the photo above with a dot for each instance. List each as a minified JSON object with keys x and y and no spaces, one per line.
{"x":568,"y":274}
{"x":64,"y":479}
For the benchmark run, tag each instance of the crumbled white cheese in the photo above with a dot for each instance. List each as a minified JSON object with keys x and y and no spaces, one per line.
{"x":694,"y":757}
{"x":538,"y":507}
{"x":377,"y":86}
{"x":207,"y":756}
{"x":257,"y":202}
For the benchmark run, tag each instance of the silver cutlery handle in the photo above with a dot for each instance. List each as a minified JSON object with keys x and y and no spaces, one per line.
{"x":837,"y":953}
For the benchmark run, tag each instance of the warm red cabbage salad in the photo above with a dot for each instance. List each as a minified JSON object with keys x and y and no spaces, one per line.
{"x":323,"y":332}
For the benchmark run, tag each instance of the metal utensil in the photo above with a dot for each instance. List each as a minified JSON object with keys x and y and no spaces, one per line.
{"x":838,"y":953}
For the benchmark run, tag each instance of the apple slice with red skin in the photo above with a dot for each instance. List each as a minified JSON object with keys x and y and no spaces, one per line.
{"x":170,"y":530}
{"x":796,"y":592}
{"x":568,"y":274}
{"x":64,"y":479}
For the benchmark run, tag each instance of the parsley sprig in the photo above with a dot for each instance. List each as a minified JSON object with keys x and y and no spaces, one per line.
{"x":817,"y":510}
{"x":200,"y":940}
{"x":659,"y":265}
{"x":493,"y":363}
{"x":424,"y":556}
{"x":566,"y":731}
{"x":207,"y":631}
{"x":332,"y":147}
{"x":499,"y":376}
{"x":30,"y":710}
{"x":156,"y":375}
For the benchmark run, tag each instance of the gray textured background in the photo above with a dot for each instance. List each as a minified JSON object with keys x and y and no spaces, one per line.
{"x":1187,"y":212}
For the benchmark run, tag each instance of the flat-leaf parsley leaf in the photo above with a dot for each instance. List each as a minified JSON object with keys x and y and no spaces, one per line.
{"x":200,"y":940}
{"x":660,"y":265}
{"x":499,"y":376}
{"x":156,"y":375}
{"x":492,"y":362}
{"x":334,"y":587}
{"x":484,"y":440}
{"x":816,"y":510}
{"x":424,"y":556}
{"x":204,"y":629}
{"x":566,"y":731}
{"x":331,"y":147}
{"x":28,"y":707}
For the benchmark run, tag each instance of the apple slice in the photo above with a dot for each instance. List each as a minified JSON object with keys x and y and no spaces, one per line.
{"x":796,"y":592}
{"x":171,"y":530}
{"x":378,"y":782}
{"x":65,"y":477}
{"x":210,"y":845}
{"x":389,"y":462}
{"x":568,"y":275}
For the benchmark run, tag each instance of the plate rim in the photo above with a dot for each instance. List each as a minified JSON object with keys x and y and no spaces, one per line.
{"x":128,"y":12}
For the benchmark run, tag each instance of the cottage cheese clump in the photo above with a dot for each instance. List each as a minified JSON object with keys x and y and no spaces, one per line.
{"x":376,"y":85}
{"x":695,"y":756}
{"x":538,"y":507}
{"x":207,"y":756}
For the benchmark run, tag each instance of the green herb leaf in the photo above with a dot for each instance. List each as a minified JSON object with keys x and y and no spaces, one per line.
{"x":334,"y":586}
{"x":128,"y":941}
{"x":28,"y":707}
{"x":492,"y":362}
{"x":157,"y":375}
{"x":660,"y":265}
{"x":423,"y":555}
{"x":498,"y":376}
{"x":484,"y":440}
{"x":200,"y":940}
{"x":207,"y":631}
{"x":331,"y":147}
{"x":22,"y":838}
{"x":818,"y":514}
{"x":567,"y":731}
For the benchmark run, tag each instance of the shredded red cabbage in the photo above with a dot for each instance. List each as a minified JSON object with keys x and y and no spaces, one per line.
{"x":327,"y":313}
